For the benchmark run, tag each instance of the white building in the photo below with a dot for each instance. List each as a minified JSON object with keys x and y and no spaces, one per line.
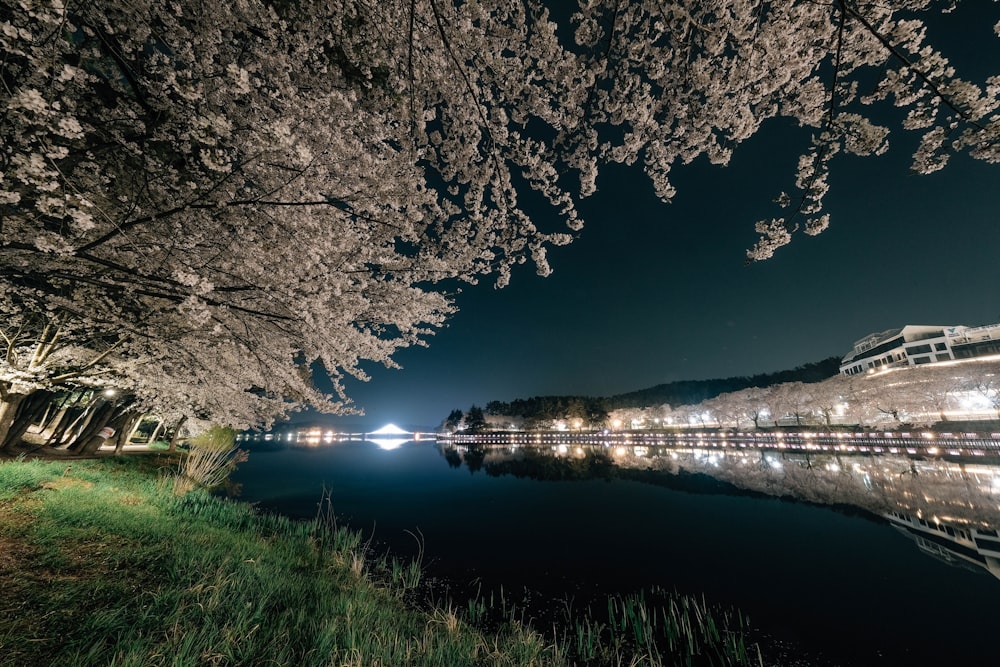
{"x":953,"y":544}
{"x":916,"y":344}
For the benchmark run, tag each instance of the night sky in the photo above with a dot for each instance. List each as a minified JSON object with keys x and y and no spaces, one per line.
{"x":651,"y":292}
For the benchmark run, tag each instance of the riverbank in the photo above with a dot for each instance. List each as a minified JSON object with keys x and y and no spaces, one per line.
{"x":101,"y":564}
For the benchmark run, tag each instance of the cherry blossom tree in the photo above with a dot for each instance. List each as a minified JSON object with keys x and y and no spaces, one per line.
{"x":207,"y":205}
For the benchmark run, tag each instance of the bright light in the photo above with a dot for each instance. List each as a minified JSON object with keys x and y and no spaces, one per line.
{"x":388,"y":443}
{"x":110,"y":392}
{"x":389,"y":429}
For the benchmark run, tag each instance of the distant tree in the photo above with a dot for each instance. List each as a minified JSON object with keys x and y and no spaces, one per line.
{"x":596,"y":413}
{"x":454,"y":420}
{"x":475,"y":420}
{"x":498,"y":408}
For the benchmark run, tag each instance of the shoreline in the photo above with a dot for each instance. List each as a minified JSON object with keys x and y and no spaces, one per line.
{"x":102,"y":549}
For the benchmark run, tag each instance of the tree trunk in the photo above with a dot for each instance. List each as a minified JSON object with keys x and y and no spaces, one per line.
{"x":31,"y":407}
{"x":88,"y":441}
{"x":54,"y":417}
{"x":156,"y":431}
{"x":106,"y":415}
{"x":177,"y":434}
{"x":80,"y":424}
{"x":8,"y":409}
{"x":126,"y":427}
{"x":67,"y":418}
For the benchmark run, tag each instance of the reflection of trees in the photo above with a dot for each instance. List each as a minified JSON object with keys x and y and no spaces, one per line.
{"x":961,"y":493}
{"x":474,"y":458}
{"x":532,"y":463}
{"x":950,"y":509}
{"x":452,"y":456}
{"x":542,"y":465}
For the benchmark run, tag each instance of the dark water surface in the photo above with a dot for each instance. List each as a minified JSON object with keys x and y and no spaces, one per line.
{"x":841,"y":583}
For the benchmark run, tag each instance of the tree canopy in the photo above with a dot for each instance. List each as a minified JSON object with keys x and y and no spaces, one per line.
{"x":206,"y":204}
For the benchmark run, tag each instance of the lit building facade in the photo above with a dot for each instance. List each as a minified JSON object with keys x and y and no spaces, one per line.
{"x":917,"y":344}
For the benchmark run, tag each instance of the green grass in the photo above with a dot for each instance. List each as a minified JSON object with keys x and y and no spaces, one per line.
{"x":102,"y":564}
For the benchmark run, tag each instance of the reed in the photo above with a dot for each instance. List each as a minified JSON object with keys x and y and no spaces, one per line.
{"x":210,"y":458}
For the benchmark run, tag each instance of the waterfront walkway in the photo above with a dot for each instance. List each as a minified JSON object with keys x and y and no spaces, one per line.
{"x":912,"y":443}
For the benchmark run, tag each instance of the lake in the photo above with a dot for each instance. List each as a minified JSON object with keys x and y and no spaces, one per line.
{"x":843,"y":559}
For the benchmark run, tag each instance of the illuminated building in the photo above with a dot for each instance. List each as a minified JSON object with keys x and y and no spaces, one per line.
{"x":916,"y":344}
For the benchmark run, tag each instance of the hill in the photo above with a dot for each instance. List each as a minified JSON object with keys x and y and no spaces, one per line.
{"x":682,"y":392}
{"x":689,"y":392}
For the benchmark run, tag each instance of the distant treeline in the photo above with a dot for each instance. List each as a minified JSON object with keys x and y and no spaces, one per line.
{"x":683,"y":392}
{"x":540,"y":408}
{"x":690,"y":392}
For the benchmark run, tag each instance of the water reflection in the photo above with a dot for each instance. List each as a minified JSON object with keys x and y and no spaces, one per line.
{"x":317,"y":437}
{"x":951,"y":509}
{"x":629,"y":514}
{"x":389,"y":443}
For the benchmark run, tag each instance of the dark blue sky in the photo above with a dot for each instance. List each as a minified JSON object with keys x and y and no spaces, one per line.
{"x":652,"y":293}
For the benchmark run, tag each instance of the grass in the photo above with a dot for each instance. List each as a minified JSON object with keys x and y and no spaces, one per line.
{"x":101,"y":563}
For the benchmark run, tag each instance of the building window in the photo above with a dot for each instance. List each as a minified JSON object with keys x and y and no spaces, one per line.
{"x":940,"y":346}
{"x":918,"y":349}
{"x":922,"y":360}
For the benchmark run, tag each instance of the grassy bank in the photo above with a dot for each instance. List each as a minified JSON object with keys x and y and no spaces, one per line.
{"x":101,"y":564}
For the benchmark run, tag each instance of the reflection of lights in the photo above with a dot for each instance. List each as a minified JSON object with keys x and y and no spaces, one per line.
{"x":562,"y":449}
{"x":389,"y":443}
{"x":640,"y":451}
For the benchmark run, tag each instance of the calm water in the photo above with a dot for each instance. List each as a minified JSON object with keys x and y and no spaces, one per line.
{"x":841,"y":583}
